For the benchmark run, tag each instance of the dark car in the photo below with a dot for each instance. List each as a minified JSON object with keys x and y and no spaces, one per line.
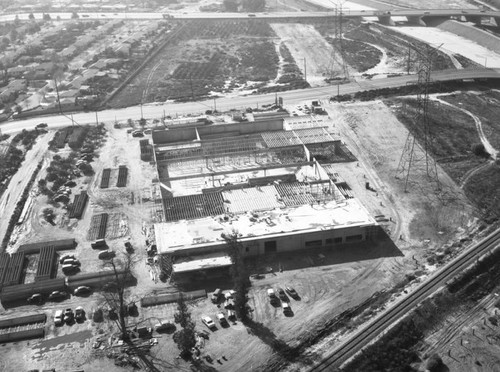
{"x":57,"y":295}
{"x":82,"y":290}
{"x":79,"y":314}
{"x":35,"y":299}
{"x":106,"y":255}
{"x":281,"y":294}
{"x":41,"y":125}
{"x":68,"y":316}
{"x":292,"y":292}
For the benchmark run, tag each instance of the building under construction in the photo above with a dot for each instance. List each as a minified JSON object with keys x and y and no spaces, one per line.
{"x":271,"y":181}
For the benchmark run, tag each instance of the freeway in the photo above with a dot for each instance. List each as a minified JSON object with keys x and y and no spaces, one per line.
{"x":378,"y":325}
{"x":240,"y":102}
{"x":427,"y":13}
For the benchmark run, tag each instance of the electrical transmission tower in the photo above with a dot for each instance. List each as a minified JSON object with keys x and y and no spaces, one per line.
{"x":339,"y":45}
{"x":416,"y":159}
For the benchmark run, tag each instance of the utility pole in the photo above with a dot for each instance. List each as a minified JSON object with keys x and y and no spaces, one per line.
{"x":58,"y":99}
{"x":305,"y":69}
{"x":215,"y":105}
{"x":97,"y":119}
{"x":142,"y":116}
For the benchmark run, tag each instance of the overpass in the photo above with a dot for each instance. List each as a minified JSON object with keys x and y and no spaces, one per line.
{"x":416,"y":16}
{"x":157,"y":110}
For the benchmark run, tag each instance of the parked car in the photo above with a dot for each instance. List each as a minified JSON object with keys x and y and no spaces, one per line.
{"x":59,"y":318}
{"x":57,"y":295}
{"x":216,"y":295}
{"x":71,"y":261}
{"x":292,"y":292}
{"x":282,"y":294}
{"x":286,"y":308}
{"x":229,"y":304}
{"x":164,"y":325}
{"x":231,"y":314}
{"x":222,"y":319}
{"x":99,"y":244}
{"x":66,"y":257}
{"x":228,"y":295}
{"x":270,"y":293}
{"x":208,"y":322}
{"x":106,"y":255}
{"x":41,"y":125}
{"x":68,"y":315}
{"x":79,"y":314}
{"x":70,"y":268}
{"x":82,"y":290}
{"x":137,"y":133}
{"x":35,"y":299}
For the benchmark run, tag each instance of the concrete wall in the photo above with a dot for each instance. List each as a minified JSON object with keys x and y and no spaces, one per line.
{"x":174,"y":135}
{"x":235,"y":129}
{"x":316,"y":239}
{"x":288,"y":243}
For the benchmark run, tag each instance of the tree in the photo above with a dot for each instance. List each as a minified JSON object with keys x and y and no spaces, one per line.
{"x":185,"y":337}
{"x":479,"y":150}
{"x":115,"y":293}
{"x":74,"y":15}
{"x":239,"y":275}
{"x":46,"y":17}
{"x":434,"y":363}
{"x":31,"y":16}
{"x":48,"y":215}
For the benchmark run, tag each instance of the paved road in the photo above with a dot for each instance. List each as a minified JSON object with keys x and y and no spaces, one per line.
{"x":280,"y":15}
{"x":378,"y":325}
{"x":240,"y":102}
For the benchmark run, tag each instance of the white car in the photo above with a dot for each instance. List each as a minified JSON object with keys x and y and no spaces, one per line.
{"x":270,"y":293}
{"x":59,"y":318}
{"x":208,"y":322}
{"x":286,"y":308}
{"x":221,"y":318}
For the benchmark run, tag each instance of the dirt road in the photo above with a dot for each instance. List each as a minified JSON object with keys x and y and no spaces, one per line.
{"x":305,"y":41}
{"x":20,"y":179}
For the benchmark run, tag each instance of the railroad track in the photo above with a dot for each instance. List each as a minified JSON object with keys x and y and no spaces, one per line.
{"x":401,"y":308}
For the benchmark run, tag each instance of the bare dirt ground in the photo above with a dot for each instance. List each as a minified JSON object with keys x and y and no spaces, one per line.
{"x":305,"y":41}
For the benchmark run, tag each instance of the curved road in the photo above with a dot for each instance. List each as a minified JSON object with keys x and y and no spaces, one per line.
{"x":241,"y":102}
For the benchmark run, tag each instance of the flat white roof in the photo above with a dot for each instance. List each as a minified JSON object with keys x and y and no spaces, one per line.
{"x":176,"y":236}
{"x":208,"y":261}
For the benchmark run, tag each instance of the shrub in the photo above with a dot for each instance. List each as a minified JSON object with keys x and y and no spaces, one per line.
{"x":479,"y":150}
{"x":434,"y":363}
